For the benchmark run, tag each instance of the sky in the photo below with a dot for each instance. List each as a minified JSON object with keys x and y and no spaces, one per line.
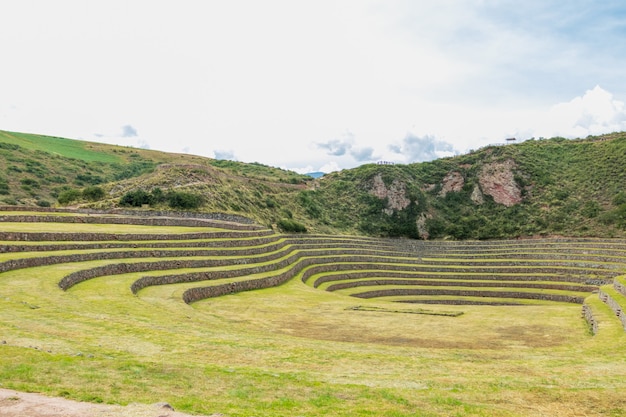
{"x":313,"y":85}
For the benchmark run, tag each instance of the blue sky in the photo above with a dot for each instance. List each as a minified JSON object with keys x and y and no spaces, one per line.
{"x":312,"y":85}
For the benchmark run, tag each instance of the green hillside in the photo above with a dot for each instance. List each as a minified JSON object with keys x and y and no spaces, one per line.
{"x":534,"y":188}
{"x":553,"y":187}
{"x":38,"y":170}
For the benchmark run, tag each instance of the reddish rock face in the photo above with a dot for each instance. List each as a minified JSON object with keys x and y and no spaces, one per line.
{"x":452,"y":182}
{"x":395,"y":194}
{"x":497,"y":180}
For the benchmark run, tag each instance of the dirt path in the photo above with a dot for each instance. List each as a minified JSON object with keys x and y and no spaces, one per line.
{"x":21,"y":404}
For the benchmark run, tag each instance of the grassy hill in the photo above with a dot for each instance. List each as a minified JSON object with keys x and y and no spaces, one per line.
{"x":563,"y":187}
{"x":535,"y":188}
{"x":36,"y":170}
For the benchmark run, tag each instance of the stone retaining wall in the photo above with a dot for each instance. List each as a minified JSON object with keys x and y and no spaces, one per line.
{"x":589,"y":317}
{"x":123,"y":268}
{"x":502,"y":244}
{"x":130,"y":254}
{"x":460,"y":302}
{"x":125,"y":212}
{"x":331,"y":263}
{"x":89,"y":236}
{"x":470,"y":293}
{"x":319,"y":256}
{"x":447,"y":283}
{"x":199,"y":293}
{"x":619,"y":287}
{"x":198,"y":243}
{"x":116,"y":269}
{"x":148,"y":281}
{"x":419,"y":275}
{"x":138,"y":221}
{"x":49,"y":247}
{"x":614,"y":305}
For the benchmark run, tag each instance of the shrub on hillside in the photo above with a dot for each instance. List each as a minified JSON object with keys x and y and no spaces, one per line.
{"x":88,"y":178}
{"x":29,"y":182}
{"x":68,"y":196}
{"x":183,"y":201}
{"x":157,"y":196}
{"x":288,"y":225}
{"x":4,"y":188}
{"x":133,"y":169}
{"x":136,"y":198}
{"x":175,"y":199}
{"x":619,"y":198}
{"x":93,"y":193}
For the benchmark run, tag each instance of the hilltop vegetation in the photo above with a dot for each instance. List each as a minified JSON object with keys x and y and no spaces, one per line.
{"x":534,"y":188}
{"x":38,"y":170}
{"x":538,"y":187}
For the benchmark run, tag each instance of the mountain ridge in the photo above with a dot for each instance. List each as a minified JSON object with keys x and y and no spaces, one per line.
{"x":545,"y":187}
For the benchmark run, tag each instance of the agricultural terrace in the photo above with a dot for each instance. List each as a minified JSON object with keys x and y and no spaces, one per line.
{"x":215,"y":314}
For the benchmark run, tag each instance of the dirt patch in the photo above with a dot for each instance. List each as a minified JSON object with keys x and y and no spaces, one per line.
{"x":21,"y":404}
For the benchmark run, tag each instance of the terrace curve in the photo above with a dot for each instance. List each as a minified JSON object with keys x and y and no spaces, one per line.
{"x":225,"y":257}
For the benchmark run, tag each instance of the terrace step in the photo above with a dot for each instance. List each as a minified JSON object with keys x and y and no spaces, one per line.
{"x":243,"y":257}
{"x":615,"y":300}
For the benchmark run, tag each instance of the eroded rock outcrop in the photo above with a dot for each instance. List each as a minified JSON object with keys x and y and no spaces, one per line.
{"x":497,"y":179}
{"x":422,"y":230}
{"x":395,"y":194}
{"x":452,"y":182}
{"x":477,"y":195}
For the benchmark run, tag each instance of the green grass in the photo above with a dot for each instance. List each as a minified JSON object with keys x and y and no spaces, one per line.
{"x":76,"y":149}
{"x":298,"y":350}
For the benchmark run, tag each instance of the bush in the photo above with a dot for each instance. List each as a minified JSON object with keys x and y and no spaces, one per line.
{"x":158,"y":196}
{"x":183,"y":201}
{"x":88,"y":179}
{"x":287,"y":225}
{"x":57,"y":179}
{"x":308,"y":201}
{"x":620,"y":198}
{"x":10,"y":201}
{"x":68,"y":196}
{"x":136,"y":198}
{"x":590,"y":209}
{"x":93,"y":193}
{"x":43,"y":203}
{"x":29,"y":182}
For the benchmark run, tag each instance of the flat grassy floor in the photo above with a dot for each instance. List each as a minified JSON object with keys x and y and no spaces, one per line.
{"x":295,"y":350}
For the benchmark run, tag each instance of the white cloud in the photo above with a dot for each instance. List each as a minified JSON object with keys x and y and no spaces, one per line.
{"x":128,"y":131}
{"x":329,"y":167}
{"x":270,"y":80}
{"x":337,"y":147}
{"x":593,"y":113}
{"x":224,"y":154}
{"x":363,"y":154}
{"x":418,"y":149}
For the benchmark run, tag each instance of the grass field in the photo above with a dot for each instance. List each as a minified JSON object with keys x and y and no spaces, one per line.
{"x":297,"y":350}
{"x":84,"y":151}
